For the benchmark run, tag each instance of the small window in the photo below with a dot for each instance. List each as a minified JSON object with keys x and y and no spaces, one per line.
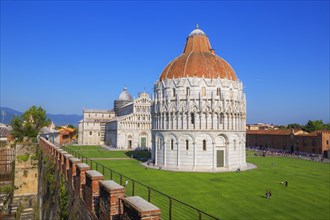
{"x":327,"y":142}
{"x":187,"y":145}
{"x":90,"y":133}
{"x":218,"y":92}
{"x":192,"y":118}
{"x":203,"y":91}
{"x":99,"y":134}
{"x":187,"y":91}
{"x":172,"y":144}
{"x":204,"y":144}
{"x":173,"y":92}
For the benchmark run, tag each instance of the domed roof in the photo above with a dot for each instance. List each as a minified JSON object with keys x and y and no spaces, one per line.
{"x":198,"y":60}
{"x":125,"y":96}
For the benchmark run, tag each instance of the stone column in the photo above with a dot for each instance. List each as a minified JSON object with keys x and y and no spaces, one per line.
{"x":111,"y":196}
{"x":214,"y":156}
{"x":72,"y":170}
{"x":164,"y":154}
{"x":226,"y":121}
{"x":139,"y":209}
{"x":156,"y":149}
{"x":80,"y":179}
{"x":93,"y":179}
{"x":178,"y":154}
{"x":195,"y":155}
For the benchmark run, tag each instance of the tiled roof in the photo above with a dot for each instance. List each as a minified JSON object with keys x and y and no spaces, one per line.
{"x":198,"y":60}
{"x":4,"y":132}
{"x":274,"y":132}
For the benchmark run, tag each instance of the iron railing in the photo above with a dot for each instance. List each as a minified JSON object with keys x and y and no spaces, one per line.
{"x":171,"y":208}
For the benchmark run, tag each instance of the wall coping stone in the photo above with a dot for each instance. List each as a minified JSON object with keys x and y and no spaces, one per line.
{"x":111,"y":185}
{"x":67,"y":156}
{"x":74,"y":160}
{"x":93,"y":174}
{"x":140,"y":204}
{"x":64,"y":152}
{"x":83,"y":166}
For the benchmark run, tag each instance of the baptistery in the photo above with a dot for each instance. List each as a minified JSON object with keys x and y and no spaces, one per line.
{"x":198,"y":112}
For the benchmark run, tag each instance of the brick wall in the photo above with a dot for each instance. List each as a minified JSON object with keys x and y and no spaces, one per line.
{"x":89,"y":195}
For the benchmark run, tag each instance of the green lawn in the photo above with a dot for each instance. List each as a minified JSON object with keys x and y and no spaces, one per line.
{"x":240,"y":195}
{"x":98,"y":152}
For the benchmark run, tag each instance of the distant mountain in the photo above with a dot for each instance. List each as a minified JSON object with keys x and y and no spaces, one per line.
{"x":6,"y":114}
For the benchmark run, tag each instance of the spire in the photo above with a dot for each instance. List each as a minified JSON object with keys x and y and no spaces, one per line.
{"x":197,"y":26}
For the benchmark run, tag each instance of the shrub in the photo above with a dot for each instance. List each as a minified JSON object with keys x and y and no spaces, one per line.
{"x":23,"y":158}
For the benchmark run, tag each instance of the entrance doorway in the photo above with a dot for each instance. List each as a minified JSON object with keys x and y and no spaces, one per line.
{"x":220,"y":158}
{"x":143,"y":142}
{"x":129,"y":143}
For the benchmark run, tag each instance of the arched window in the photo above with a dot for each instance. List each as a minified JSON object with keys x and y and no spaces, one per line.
{"x":192,"y":118}
{"x":187,"y":91}
{"x":172,"y":144}
{"x":234,"y":145}
{"x":218,"y":92}
{"x":204,"y":144}
{"x":187,"y":145}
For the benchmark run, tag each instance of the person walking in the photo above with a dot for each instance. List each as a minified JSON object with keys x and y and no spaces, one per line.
{"x":267,"y":194}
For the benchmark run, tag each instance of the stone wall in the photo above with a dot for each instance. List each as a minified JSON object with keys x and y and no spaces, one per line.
{"x":69,"y":189}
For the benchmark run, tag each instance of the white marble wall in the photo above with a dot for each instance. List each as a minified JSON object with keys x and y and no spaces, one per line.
{"x":197,"y":109}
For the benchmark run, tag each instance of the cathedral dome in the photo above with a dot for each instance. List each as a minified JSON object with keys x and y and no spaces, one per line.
{"x":125,"y":96}
{"x":198,"y":60}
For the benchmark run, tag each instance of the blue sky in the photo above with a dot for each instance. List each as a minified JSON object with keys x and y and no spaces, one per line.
{"x":70,"y":55}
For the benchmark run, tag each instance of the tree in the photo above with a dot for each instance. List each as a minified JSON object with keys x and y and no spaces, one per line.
{"x":294,"y":126}
{"x":30,"y":123}
{"x":315,"y":125}
{"x":71,"y":126}
{"x":17,"y":125}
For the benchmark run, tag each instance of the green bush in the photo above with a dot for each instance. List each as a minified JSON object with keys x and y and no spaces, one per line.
{"x":23,"y":158}
{"x":6,"y":189}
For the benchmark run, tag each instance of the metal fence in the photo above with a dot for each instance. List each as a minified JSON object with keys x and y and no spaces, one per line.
{"x":171,"y":208}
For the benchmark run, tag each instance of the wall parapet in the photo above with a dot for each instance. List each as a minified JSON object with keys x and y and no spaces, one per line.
{"x":103,"y":199}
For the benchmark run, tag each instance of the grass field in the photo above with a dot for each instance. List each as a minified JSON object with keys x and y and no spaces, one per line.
{"x":98,"y":152}
{"x":241,"y":195}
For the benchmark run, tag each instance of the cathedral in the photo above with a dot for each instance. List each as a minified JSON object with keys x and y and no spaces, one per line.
{"x":199,"y":111}
{"x":127,"y":126}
